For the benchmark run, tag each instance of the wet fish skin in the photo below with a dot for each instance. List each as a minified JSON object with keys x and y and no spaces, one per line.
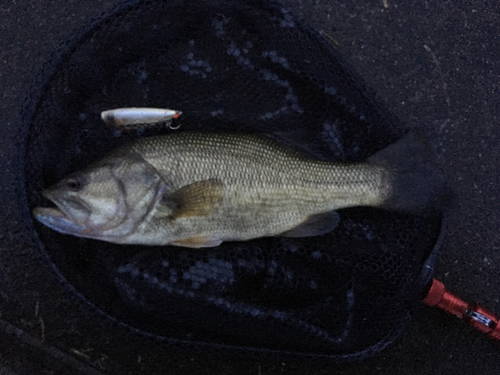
{"x":198,"y":190}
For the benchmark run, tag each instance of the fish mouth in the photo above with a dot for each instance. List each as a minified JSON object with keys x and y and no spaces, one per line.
{"x":59,"y":219}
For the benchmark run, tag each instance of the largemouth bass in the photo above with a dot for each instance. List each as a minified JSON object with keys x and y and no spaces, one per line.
{"x":198,"y":190}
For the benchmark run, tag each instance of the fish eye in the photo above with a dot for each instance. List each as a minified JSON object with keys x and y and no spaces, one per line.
{"x":74,"y":184}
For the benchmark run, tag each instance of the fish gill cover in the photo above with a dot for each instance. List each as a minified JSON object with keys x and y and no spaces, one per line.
{"x":240,"y":67}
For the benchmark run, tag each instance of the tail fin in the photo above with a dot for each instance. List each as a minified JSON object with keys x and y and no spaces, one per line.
{"x":417,"y":182}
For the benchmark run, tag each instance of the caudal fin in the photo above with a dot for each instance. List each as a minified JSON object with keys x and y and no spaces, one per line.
{"x":417,"y":183}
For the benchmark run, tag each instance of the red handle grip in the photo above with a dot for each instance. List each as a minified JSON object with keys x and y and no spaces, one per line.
{"x":476,"y":316}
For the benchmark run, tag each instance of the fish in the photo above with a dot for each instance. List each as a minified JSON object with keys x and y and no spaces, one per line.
{"x":198,"y":190}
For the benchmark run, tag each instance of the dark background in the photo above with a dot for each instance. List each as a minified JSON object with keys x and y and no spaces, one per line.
{"x":435,"y":64}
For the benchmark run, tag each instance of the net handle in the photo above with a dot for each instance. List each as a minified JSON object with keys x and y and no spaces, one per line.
{"x":476,"y":316}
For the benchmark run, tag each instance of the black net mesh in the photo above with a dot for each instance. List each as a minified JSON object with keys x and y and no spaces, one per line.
{"x":230,"y":66}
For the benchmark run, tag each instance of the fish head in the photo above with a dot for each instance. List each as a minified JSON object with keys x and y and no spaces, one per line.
{"x":107,"y":201}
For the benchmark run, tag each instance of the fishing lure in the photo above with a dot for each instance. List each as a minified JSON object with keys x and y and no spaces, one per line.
{"x":133,"y":117}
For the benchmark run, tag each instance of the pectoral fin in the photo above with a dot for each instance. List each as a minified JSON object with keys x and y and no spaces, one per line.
{"x":314,"y":225}
{"x":198,"y":242}
{"x":200,"y":198}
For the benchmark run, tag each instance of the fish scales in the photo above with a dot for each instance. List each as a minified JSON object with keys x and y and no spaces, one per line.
{"x":263,"y":168}
{"x":260,"y":177}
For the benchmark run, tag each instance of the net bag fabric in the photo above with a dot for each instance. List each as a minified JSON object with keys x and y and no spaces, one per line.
{"x":240,"y":67}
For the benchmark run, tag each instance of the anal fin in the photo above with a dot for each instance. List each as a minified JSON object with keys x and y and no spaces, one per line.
{"x":314,"y":225}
